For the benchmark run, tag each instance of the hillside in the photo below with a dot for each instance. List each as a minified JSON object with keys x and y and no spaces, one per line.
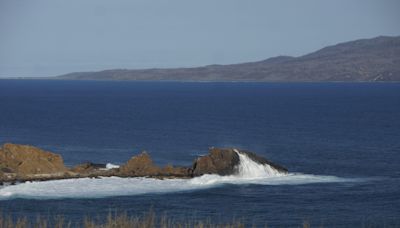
{"x":376,"y":59}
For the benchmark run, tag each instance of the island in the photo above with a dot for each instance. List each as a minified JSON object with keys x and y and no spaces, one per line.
{"x":21,"y":163}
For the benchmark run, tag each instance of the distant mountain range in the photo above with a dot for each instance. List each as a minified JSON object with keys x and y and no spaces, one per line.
{"x":365,"y":60}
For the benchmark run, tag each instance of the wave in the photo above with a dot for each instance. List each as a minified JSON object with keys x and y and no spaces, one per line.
{"x":249,"y":172}
{"x":111,"y":166}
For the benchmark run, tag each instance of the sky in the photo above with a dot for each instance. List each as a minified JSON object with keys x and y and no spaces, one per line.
{"x":52,"y":37}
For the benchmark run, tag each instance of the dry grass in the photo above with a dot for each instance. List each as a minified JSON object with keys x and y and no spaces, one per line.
{"x":122,"y":220}
{"x":113,"y":220}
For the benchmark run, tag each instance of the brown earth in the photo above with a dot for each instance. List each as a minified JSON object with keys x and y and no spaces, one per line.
{"x":28,"y":160}
{"x":140,"y":165}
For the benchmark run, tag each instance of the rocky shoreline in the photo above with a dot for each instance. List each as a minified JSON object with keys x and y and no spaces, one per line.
{"x":21,"y":163}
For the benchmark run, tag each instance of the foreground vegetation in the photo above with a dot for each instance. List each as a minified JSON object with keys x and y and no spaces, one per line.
{"x":148,"y":220}
{"x":112,"y":221}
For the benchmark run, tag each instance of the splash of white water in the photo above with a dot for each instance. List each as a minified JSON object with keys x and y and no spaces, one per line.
{"x":250,"y":169}
{"x":111,"y":166}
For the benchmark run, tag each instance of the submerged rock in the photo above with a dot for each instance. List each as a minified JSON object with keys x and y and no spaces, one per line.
{"x":172,"y":171}
{"x":88,"y":168}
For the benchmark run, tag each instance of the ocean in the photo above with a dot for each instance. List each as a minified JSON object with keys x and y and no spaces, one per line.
{"x":340,"y":142}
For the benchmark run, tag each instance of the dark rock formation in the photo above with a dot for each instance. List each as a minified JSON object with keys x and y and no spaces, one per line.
{"x":89,"y":169}
{"x":224,"y":161}
{"x":23,"y":163}
{"x":218,"y":161}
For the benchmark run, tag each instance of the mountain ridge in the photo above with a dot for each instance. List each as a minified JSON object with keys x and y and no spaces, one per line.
{"x":363,"y":60}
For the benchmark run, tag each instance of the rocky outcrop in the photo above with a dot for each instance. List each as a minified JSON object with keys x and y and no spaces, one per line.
{"x":140,"y":165}
{"x":224,"y":161}
{"x":218,"y":161}
{"x":26,"y":161}
{"x":23,"y":163}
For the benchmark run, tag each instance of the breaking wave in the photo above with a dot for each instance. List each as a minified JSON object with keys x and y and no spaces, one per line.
{"x":111,"y":166}
{"x":249,"y":172}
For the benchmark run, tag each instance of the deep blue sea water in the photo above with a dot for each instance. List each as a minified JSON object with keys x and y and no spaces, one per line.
{"x":347,"y":130}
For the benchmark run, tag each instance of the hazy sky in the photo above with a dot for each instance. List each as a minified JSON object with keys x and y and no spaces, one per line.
{"x":51,"y":37}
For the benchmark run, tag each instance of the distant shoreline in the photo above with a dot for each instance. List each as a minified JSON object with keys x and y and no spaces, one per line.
{"x":365,"y":60}
{"x":197,"y":81}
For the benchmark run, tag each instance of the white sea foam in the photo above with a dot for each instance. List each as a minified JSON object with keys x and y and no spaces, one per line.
{"x":249,"y":172}
{"x":251,"y":169}
{"x":111,"y":166}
